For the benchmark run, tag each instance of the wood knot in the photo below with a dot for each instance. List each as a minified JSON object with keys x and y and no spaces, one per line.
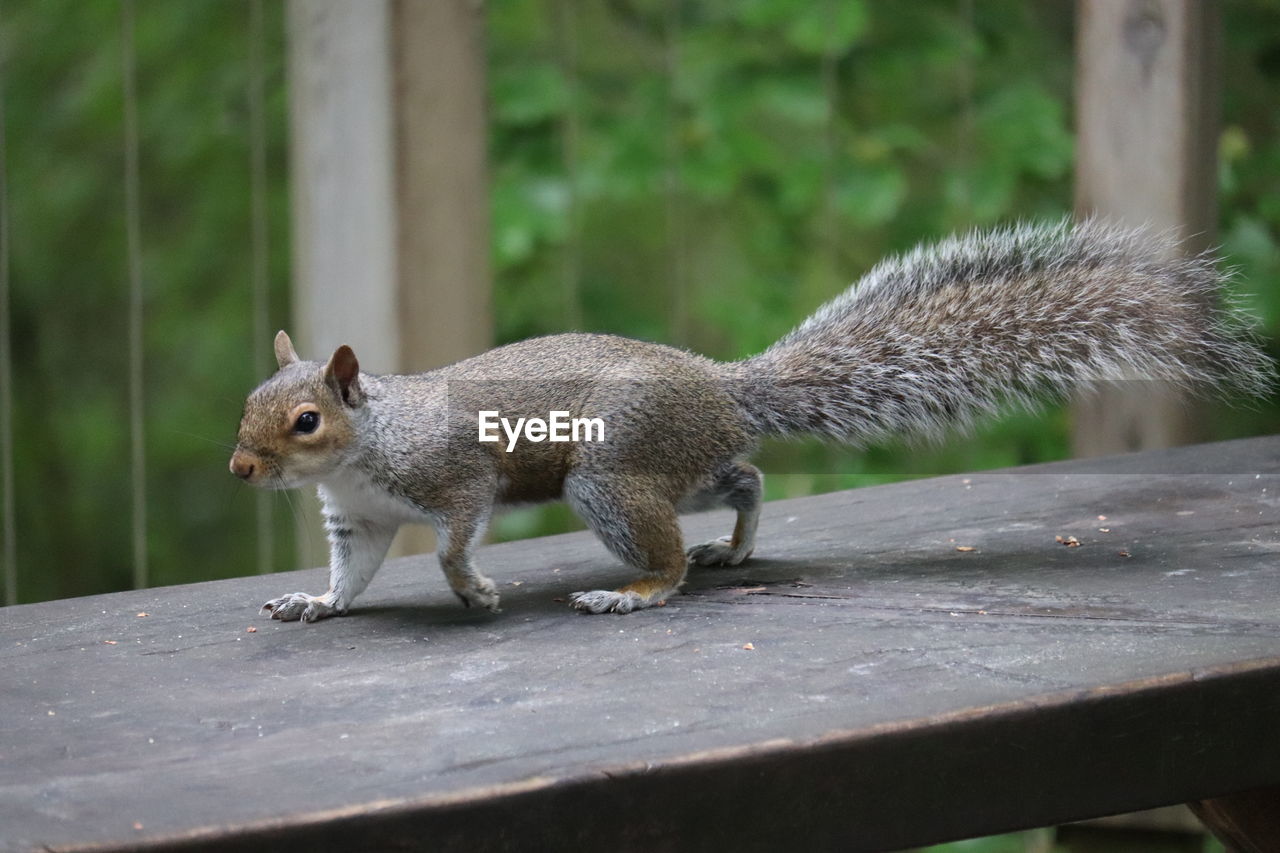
{"x":1145,"y":32}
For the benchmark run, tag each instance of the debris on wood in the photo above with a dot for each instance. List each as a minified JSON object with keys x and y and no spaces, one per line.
{"x":251,"y":630}
{"x":1069,"y":541}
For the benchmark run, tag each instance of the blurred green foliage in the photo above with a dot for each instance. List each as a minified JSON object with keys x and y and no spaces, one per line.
{"x":701,"y":172}
{"x":65,"y":166}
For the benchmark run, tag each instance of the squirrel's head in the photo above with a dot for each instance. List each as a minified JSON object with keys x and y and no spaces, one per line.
{"x":297,"y":426}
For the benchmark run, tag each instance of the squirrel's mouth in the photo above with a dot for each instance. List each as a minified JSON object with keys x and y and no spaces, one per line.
{"x":274,"y":483}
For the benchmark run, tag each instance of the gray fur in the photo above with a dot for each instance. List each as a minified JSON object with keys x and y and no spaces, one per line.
{"x":935,"y":339}
{"x":926,"y":342}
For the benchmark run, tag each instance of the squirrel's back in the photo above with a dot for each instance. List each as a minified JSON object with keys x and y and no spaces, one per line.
{"x":577,"y":355}
{"x":950,"y":332}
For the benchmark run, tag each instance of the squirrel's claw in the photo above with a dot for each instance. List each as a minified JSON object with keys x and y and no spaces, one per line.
{"x":606,"y":601}
{"x":718,"y":552}
{"x":482,"y":593}
{"x":300,"y":606}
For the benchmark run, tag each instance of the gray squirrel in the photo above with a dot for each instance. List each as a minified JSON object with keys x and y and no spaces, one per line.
{"x":923,"y":343}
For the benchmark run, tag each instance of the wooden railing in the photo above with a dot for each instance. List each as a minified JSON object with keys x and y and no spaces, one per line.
{"x":898,"y":665}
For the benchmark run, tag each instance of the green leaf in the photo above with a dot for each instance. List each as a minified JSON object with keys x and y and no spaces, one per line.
{"x":1024,"y":128}
{"x":1250,"y":245}
{"x":870,"y":195}
{"x":797,"y":99}
{"x":764,"y":14}
{"x":834,"y":26}
{"x":529,"y":95}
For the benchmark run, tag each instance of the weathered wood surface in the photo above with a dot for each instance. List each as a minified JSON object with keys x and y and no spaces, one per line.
{"x":898,"y":691}
{"x":1147,"y":92}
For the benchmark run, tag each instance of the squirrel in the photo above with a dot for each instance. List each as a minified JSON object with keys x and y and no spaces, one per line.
{"x":925,"y":342}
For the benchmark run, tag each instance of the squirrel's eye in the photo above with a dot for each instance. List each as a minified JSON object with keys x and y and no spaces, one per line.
{"x":307,"y":422}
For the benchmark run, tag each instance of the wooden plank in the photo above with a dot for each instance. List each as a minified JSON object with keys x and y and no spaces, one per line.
{"x":898,"y":691}
{"x":1147,"y":88}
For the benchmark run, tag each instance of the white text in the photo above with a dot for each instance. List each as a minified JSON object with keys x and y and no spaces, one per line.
{"x":557,"y":427}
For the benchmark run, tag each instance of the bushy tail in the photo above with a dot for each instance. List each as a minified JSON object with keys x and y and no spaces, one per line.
{"x":946,"y":334}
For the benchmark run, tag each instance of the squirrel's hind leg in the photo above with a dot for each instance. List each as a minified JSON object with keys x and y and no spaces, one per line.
{"x":738,"y":486}
{"x":641,"y":528}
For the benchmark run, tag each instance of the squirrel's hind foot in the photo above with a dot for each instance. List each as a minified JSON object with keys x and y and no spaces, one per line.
{"x":718,"y":552}
{"x":643,"y":593}
{"x":606,"y":601}
{"x":299,"y":605}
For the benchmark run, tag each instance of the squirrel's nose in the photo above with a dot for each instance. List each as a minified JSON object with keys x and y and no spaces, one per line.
{"x":242,"y":465}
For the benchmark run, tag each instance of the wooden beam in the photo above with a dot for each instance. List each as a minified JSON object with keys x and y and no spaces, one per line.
{"x":859,"y":685}
{"x":1247,"y":822}
{"x":1146,"y":128}
{"x":390,"y":198}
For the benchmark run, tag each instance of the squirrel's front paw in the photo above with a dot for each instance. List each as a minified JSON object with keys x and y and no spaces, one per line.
{"x":299,"y":605}
{"x":718,"y":552}
{"x":479,"y":593}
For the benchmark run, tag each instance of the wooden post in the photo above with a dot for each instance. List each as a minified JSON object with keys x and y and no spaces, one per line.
{"x":1147,"y":86}
{"x":442,"y":199}
{"x":1146,"y":134}
{"x":390,"y":203}
{"x":1248,"y":822}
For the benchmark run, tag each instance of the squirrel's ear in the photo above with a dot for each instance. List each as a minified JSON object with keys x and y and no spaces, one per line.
{"x":285,"y":354}
{"x":342,"y":373}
